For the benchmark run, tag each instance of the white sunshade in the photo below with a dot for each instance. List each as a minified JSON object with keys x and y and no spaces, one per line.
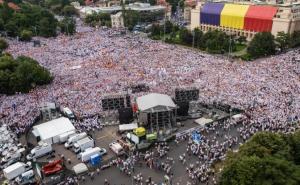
{"x":53,"y":128}
{"x":203,"y":121}
{"x":154,"y":99}
{"x":80,"y":168}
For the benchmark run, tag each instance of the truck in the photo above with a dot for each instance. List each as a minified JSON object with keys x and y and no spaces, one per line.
{"x":75,"y":138}
{"x":16,"y":169}
{"x":25,"y":177}
{"x":39,"y":151}
{"x":65,"y":136}
{"x":116,"y":148}
{"x":86,"y":155}
{"x":133,"y":138}
{"x":83,"y":144}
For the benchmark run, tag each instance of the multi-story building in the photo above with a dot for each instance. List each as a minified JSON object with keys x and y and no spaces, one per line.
{"x":246,"y":18}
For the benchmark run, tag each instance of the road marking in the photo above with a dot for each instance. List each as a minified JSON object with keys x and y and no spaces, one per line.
{"x":101,"y":137}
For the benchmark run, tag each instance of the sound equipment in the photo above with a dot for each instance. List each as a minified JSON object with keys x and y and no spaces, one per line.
{"x":128,"y":101}
{"x":125,"y":115}
{"x":186,"y":95}
{"x":183,"y":108}
{"x":115,"y":102}
{"x":139,"y":88}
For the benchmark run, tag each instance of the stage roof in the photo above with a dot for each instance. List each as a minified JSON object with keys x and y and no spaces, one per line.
{"x":153,"y":100}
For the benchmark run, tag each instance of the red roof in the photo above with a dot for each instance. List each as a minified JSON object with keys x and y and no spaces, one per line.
{"x":11,"y":5}
{"x":88,"y":2}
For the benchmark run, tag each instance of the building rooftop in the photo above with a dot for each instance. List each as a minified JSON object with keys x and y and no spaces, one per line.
{"x":133,"y":6}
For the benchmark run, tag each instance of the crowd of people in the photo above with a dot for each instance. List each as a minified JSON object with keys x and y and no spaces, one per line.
{"x":91,"y":64}
{"x":95,"y":63}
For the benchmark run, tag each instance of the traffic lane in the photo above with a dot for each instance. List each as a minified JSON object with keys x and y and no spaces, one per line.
{"x":112,"y":174}
{"x":104,"y":137}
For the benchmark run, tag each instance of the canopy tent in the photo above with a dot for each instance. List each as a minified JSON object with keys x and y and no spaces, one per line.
{"x":80,"y":168}
{"x":203,"y":121}
{"x":50,"y":131}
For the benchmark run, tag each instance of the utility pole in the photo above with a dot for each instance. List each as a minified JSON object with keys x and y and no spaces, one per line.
{"x":165,"y":28}
{"x":193,"y":33}
{"x":230,"y":47}
{"x":34,"y":27}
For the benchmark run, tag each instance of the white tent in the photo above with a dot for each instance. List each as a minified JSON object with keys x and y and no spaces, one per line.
{"x":80,"y":168}
{"x":203,"y":121}
{"x":50,"y":131}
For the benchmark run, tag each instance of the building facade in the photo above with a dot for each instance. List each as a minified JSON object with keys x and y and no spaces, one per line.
{"x":246,"y":19}
{"x":117,"y":20}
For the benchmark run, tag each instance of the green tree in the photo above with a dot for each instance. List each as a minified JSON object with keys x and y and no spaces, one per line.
{"x":263,"y":44}
{"x":185,"y":36}
{"x":26,"y":35}
{"x":217,"y":42}
{"x":104,"y":19}
{"x":1,"y":24}
{"x":267,"y":158}
{"x":3,"y":45}
{"x":283,"y":40}
{"x":198,"y":38}
{"x":4,"y":82}
{"x":30,"y":17}
{"x":168,"y":26}
{"x":11,"y":28}
{"x":21,"y":74}
{"x":92,"y":19}
{"x":241,"y":39}
{"x":97,"y":19}
{"x":47,"y":28}
{"x":131,"y":18}
{"x":152,"y":2}
{"x":6,"y":12}
{"x":68,"y":26}
{"x":295,"y":39}
{"x":155,"y":30}
{"x":69,"y":10}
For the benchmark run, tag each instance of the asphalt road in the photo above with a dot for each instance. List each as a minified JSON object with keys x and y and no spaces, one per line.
{"x":115,"y":177}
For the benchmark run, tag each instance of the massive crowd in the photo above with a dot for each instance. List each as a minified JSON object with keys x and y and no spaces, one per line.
{"x":94,"y":63}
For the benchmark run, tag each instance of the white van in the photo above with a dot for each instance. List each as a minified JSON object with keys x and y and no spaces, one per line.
{"x":65,"y":136}
{"x":68,"y":113}
{"x":74,"y":139}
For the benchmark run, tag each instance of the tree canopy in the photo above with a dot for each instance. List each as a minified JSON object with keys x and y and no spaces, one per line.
{"x":267,"y":158}
{"x":21,"y":74}
{"x":68,"y":26}
{"x":30,"y":18}
{"x":263,"y":44}
{"x":3,"y":45}
{"x":98,"y":19}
